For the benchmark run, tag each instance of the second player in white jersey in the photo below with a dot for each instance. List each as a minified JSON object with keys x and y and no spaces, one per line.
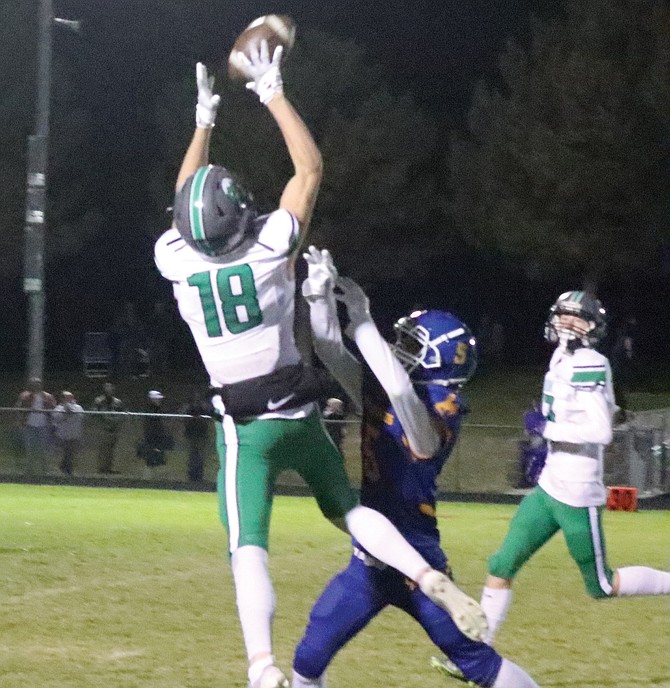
{"x":578,"y":405}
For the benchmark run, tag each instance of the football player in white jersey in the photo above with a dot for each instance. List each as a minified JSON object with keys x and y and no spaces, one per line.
{"x":233,"y":278}
{"x":578,"y":404}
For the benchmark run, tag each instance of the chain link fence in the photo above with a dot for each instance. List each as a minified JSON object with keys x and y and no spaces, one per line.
{"x":485,"y":460}
{"x":639,"y":455}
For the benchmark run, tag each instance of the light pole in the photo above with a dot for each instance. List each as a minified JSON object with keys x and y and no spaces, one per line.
{"x":35,"y":221}
{"x":36,"y":185}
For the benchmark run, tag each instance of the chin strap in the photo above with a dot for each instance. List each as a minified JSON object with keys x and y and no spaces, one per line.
{"x":570,"y":342}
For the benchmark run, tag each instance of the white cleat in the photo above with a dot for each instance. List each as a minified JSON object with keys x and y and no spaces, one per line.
{"x":445,"y":666}
{"x":272,"y":677}
{"x":465,"y":612}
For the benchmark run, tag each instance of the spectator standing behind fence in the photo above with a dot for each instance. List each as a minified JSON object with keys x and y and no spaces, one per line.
{"x":36,"y":425}
{"x":533,"y":447}
{"x":68,"y":423}
{"x":156,"y":439}
{"x":197,"y":435}
{"x":333,"y":414}
{"x":109,"y":427}
{"x":159,"y":335}
{"x":624,"y":361}
{"x":128,"y":337}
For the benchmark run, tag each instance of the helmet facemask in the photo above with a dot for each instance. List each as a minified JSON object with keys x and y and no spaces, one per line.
{"x":585,"y":327}
{"x":440,"y":352}
{"x":571,"y":334}
{"x":411,"y":345}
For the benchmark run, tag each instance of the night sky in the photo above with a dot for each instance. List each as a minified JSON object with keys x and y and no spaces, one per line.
{"x":440,"y":46}
{"x":437,"y":50}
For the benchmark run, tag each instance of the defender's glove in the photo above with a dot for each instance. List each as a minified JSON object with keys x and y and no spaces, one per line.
{"x":354,"y":298}
{"x":265,"y":73}
{"x":208,"y":103}
{"x":321,"y":273}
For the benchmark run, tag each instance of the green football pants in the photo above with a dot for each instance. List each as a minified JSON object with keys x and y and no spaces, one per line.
{"x":252,"y":454}
{"x":537,"y":519}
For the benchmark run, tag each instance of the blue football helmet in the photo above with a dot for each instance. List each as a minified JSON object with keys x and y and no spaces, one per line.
{"x":580,"y":304}
{"x":435,"y":347}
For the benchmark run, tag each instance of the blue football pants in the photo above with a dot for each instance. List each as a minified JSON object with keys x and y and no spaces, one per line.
{"x":356,"y":595}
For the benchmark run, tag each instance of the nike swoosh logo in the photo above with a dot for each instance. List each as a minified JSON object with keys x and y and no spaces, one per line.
{"x":274,"y":405}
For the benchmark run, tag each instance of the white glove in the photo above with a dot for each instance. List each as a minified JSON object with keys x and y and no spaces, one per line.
{"x":354,"y":298}
{"x":265,"y":73}
{"x":208,"y":103}
{"x":321,"y":273}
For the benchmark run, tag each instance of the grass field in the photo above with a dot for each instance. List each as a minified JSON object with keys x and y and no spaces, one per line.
{"x":131,"y":588}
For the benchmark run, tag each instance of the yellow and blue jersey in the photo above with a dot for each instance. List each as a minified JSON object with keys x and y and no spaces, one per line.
{"x":394,"y":482}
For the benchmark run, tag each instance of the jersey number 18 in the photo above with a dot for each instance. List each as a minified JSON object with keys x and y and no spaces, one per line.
{"x":237,"y":293}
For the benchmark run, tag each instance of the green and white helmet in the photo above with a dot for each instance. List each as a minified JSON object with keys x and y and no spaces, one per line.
{"x":212,"y":212}
{"x":582,"y":305}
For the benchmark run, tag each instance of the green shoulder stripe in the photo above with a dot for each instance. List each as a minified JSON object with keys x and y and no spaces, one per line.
{"x":594,"y":376}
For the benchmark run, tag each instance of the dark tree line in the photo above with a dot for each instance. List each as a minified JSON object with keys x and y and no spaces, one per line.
{"x":561,"y":168}
{"x":564,"y":165}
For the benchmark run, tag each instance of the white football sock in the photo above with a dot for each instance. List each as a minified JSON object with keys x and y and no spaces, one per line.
{"x":384,"y":542}
{"x":255,"y":598}
{"x":513,"y":676}
{"x":302,"y":682}
{"x":641,"y":580}
{"x":495,"y":602}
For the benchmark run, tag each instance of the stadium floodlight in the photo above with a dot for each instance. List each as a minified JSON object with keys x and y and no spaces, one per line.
{"x":72,"y":24}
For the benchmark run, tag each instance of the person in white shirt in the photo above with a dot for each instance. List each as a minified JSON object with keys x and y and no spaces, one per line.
{"x":578,"y":404}
{"x":36,"y":425}
{"x":68,"y":422}
{"x":233,"y":276}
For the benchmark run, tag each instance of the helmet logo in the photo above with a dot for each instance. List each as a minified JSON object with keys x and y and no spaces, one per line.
{"x":234,"y":192}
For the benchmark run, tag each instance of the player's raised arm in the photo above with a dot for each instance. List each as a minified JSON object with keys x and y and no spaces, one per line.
{"x":423,"y":438}
{"x":299,"y":196}
{"x":301,"y":191}
{"x":197,"y":153}
{"x":326,"y":333}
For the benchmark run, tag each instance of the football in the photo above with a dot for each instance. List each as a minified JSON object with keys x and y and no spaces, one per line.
{"x":276,"y":29}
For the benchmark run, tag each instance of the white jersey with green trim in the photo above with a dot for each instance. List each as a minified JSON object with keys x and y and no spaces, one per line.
{"x":240,"y":308}
{"x":578,"y":403}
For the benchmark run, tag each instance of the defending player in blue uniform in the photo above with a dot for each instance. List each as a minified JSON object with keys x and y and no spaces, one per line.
{"x":412,"y":408}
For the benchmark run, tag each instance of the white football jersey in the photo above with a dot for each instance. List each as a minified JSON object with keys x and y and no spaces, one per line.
{"x":239,"y":307}
{"x":578,"y":403}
